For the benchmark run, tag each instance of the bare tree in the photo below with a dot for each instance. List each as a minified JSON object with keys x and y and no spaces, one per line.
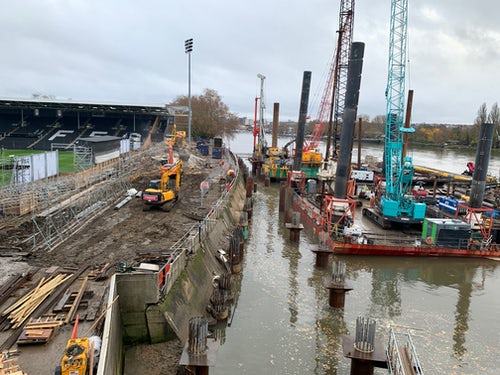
{"x":494,"y":118}
{"x":481,"y":118}
{"x":494,"y":115}
{"x":210,"y":116}
{"x":482,"y":115}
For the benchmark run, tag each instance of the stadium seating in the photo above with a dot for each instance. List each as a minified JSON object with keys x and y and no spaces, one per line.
{"x":40,"y":132}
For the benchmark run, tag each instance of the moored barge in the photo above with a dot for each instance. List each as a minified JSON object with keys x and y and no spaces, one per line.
{"x":438,"y":237}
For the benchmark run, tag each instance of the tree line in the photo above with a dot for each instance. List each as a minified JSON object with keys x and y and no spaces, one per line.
{"x":436,"y":134}
{"x":467,"y":135}
{"x":211,"y":117}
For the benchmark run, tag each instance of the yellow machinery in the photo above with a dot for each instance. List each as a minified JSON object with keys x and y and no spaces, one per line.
{"x":278,"y":163}
{"x":312,"y":157}
{"x":177,"y":138}
{"x":76,"y":357}
{"x":164,"y":190}
{"x":81,"y":355}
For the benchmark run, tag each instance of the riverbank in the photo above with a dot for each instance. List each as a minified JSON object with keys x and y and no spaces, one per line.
{"x":189,"y":296}
{"x":107,"y":240}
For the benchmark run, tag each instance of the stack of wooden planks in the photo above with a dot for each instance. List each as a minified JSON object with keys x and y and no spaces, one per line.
{"x":21,"y":310}
{"x":8,"y":365}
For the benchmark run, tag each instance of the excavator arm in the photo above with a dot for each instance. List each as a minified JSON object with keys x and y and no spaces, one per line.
{"x":169,"y":187}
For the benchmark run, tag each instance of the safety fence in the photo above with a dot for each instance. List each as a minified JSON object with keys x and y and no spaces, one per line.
{"x":197,"y":233}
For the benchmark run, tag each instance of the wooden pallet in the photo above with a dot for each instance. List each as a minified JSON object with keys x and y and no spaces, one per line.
{"x":40,"y":330}
{"x":8,"y":365}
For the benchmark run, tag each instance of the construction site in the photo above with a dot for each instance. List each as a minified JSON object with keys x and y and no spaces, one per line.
{"x":63,"y":237}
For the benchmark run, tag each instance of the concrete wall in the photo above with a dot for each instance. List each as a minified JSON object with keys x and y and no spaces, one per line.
{"x":139,"y":316}
{"x":137,"y":291}
{"x":111,"y":358}
{"x":190,"y":295}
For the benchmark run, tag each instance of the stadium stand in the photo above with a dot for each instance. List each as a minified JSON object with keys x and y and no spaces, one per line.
{"x":37,"y":124}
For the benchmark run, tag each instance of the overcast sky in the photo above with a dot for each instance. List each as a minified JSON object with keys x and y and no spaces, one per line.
{"x":133,"y":52}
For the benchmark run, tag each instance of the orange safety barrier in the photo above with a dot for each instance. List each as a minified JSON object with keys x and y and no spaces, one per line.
{"x":351,"y":188}
{"x":161,"y":278}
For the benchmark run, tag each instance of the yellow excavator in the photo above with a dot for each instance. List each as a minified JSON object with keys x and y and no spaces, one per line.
{"x":163,"y":193}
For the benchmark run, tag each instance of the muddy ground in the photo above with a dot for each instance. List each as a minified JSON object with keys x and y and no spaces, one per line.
{"x":118,"y":236}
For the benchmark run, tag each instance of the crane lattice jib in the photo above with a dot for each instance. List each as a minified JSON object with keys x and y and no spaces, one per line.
{"x":262,"y":144}
{"x":395,"y":95}
{"x":346,"y":30}
{"x":324,"y":109}
{"x":336,"y":83}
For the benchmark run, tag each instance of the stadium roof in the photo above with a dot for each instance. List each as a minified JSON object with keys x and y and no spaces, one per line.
{"x":100,"y":139}
{"x":146,"y":109}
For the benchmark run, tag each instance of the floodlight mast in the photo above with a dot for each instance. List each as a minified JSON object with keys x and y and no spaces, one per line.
{"x":188,"y":45}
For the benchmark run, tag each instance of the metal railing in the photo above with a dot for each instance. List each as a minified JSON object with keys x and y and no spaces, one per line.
{"x":197,"y":233}
{"x":402,"y":363}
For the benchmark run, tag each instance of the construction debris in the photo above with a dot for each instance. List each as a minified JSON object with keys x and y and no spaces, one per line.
{"x":8,"y":365}
{"x":18,"y":312}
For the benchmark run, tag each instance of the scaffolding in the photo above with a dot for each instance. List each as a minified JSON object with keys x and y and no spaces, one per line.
{"x":82,"y":158}
{"x":58,"y":207}
{"x":20,"y":170}
{"x":6,"y":166}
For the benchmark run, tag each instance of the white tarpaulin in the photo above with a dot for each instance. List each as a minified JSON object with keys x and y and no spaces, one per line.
{"x":36,"y":167}
{"x":102,"y":157}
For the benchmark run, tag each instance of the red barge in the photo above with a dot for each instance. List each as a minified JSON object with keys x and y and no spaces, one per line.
{"x":424,"y":250}
{"x":472,"y":243}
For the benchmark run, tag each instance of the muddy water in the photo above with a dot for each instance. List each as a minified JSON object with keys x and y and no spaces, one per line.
{"x":446,"y":158}
{"x":283,"y":325}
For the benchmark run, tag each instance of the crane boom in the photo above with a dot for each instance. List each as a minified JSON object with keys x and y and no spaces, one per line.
{"x":324,"y":109}
{"x":346,"y":24}
{"x":258,"y":125}
{"x":397,"y":202}
{"x":332,"y":101}
{"x":395,"y":96}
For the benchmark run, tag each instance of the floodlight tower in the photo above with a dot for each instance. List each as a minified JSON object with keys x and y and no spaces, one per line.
{"x":188,"y":44}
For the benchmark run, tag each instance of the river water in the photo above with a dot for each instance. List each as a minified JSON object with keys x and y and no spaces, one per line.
{"x":282,"y":323}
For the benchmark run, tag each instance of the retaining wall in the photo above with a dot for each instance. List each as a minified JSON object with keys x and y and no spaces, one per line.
{"x":190,"y":295}
{"x":149,"y":312}
{"x":111,"y":358}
